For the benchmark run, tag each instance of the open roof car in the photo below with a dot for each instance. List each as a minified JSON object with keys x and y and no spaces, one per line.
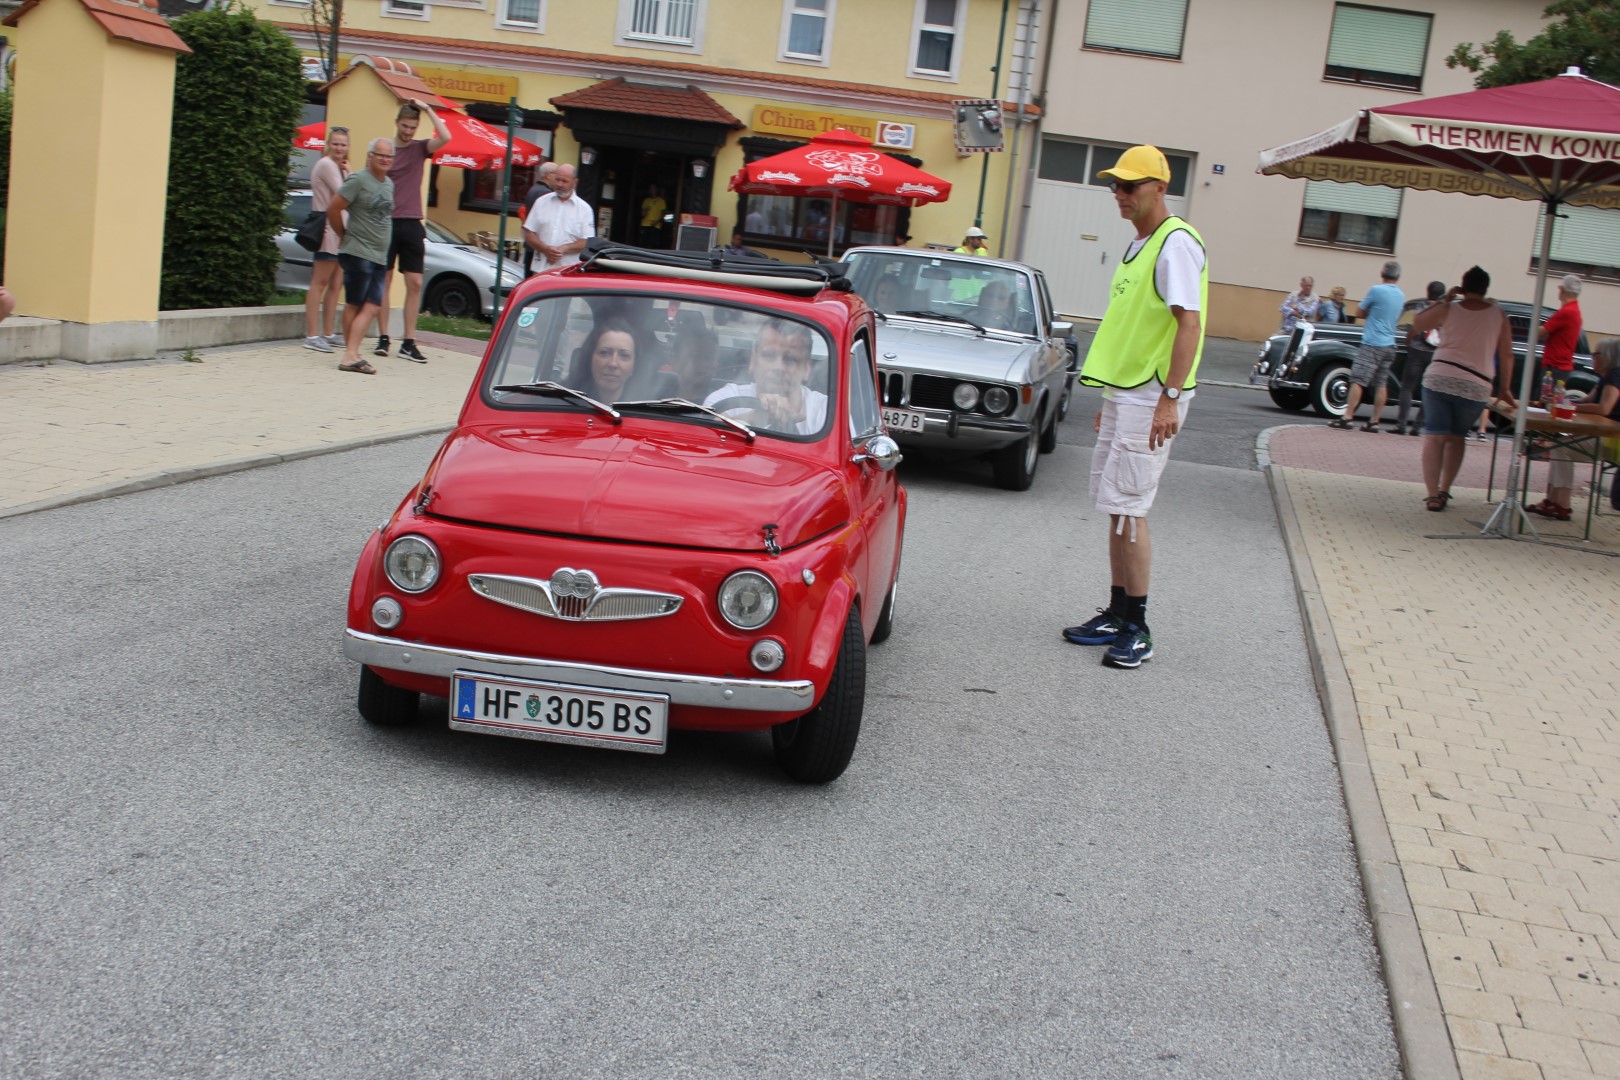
{"x":668,"y":504}
{"x":972,"y":357}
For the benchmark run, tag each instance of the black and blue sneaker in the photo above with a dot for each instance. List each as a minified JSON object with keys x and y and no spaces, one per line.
{"x":1132,"y":646}
{"x":1102,"y":629}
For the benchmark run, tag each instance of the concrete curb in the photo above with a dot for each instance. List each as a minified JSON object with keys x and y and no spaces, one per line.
{"x":170,"y":477}
{"x":1421,"y":1033}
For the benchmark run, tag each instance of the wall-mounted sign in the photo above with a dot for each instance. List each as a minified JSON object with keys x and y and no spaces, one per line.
{"x":892,"y":136}
{"x":978,"y":126}
{"x":458,"y":84}
{"x":808,"y":123}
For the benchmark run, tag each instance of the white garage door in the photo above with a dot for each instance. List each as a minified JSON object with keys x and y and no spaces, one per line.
{"x":1076,"y":234}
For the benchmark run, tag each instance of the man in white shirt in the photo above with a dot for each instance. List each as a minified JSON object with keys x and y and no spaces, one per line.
{"x":777,"y":399}
{"x":560,"y":223}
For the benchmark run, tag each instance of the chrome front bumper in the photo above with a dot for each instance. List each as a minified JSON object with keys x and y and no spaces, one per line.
{"x":747,"y":695}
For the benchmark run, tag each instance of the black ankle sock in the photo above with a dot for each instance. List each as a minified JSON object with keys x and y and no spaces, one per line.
{"x":1136,"y":609}
{"x":1116,"y":599}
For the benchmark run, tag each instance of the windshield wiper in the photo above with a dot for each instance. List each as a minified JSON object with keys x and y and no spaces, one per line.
{"x":552,"y":389}
{"x":943,"y":317}
{"x":682,"y":405}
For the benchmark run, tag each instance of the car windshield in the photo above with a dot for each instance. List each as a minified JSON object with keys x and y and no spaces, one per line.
{"x":988,"y":295}
{"x":768,"y":372}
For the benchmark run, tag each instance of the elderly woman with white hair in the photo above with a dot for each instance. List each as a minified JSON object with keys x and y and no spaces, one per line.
{"x":1603,"y":401}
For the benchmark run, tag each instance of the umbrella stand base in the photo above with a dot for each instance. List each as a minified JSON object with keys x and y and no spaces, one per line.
{"x":1493,"y":529}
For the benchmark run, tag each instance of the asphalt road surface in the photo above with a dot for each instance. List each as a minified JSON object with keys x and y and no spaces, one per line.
{"x":1035,"y":866}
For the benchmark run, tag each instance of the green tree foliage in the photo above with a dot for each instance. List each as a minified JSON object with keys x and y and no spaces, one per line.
{"x":1583,"y":33}
{"x":237,"y":98}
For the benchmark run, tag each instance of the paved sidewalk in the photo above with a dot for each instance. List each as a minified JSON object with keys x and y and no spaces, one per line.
{"x":1472,"y":686}
{"x":1484,"y":676}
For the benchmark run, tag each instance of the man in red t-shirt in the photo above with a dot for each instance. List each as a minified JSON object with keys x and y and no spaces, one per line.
{"x":1560,"y":332}
{"x":410,"y":239}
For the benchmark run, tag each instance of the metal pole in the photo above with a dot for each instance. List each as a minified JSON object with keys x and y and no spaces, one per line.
{"x":506,"y":204}
{"x":995,"y":91}
{"x":1030,"y":36}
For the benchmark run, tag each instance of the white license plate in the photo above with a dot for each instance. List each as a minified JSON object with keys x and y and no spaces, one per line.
{"x":903,"y":420}
{"x":559,"y":712}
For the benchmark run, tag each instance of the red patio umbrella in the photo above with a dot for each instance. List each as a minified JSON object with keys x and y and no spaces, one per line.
{"x":473,"y":144}
{"x":1556,"y":142}
{"x":840,"y":165}
{"x":310,"y":136}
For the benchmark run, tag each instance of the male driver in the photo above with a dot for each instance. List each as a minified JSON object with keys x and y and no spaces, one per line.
{"x":537,"y":190}
{"x":409,"y":239}
{"x":777,"y":398}
{"x":368,"y":196}
{"x":1377,"y":353}
{"x":561,"y":222}
{"x":1145,"y":357}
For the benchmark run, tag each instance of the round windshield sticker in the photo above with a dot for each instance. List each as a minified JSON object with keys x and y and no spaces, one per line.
{"x":526,"y":319}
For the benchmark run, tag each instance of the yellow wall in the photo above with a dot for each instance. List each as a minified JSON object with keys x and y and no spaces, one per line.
{"x":86,"y":234}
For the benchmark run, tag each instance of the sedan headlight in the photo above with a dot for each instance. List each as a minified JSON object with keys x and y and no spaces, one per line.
{"x":997,"y":400}
{"x":965,"y":395}
{"x":412,"y":564}
{"x":748,"y":599}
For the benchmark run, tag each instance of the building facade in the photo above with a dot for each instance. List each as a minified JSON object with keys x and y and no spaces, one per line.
{"x":1212,"y":82}
{"x":660,"y":102}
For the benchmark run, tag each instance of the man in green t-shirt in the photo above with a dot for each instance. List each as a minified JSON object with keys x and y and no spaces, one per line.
{"x":364,"y":232}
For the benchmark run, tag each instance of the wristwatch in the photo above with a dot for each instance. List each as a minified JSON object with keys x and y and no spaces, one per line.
{"x":1172,"y":392}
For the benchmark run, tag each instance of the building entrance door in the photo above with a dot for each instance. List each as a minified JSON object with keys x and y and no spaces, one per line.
{"x":633,"y":184}
{"x":1079,"y":237}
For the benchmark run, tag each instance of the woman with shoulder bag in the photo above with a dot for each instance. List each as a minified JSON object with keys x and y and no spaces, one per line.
{"x":325,"y":279}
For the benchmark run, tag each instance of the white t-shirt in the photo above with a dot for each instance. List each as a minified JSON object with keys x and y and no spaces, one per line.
{"x":815,"y":404}
{"x":557,"y":223}
{"x":1177,"y":275}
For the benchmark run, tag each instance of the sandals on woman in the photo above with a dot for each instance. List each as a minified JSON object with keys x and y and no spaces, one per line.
{"x":1339,"y":422}
{"x":359,"y":367}
{"x":1370,"y":426}
{"x":1550,"y":510}
{"x":1436,"y":503}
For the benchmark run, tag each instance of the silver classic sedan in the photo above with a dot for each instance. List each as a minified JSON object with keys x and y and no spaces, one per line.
{"x":971,"y":357}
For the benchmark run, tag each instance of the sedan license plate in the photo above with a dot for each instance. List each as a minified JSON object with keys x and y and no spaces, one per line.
{"x":559,"y":712}
{"x":903,"y":420}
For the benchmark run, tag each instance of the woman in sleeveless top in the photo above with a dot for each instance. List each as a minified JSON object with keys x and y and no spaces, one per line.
{"x":1475,"y":356}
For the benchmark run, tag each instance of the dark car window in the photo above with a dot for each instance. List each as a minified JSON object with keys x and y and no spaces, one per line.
{"x":994,"y":296}
{"x":711,"y":354}
{"x":296,"y":209}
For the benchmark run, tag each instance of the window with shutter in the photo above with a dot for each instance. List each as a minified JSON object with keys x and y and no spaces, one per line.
{"x":1585,"y":241}
{"x":663,"y":20}
{"x":1150,"y":27}
{"x":1378,"y":46}
{"x":1350,"y":215}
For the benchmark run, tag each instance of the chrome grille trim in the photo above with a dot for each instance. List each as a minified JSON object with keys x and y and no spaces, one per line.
{"x":607,"y":605}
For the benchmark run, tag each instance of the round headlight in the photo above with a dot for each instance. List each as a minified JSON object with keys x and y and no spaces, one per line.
{"x":966,"y":395}
{"x":412,"y":564}
{"x":997,"y":400}
{"x":767,"y":655}
{"x":747,"y":600}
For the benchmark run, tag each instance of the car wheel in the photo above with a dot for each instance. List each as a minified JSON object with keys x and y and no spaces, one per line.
{"x":885,"y":623}
{"x":1066,"y":399}
{"x":1014,"y":465}
{"x":384,"y":705}
{"x":1330,"y":390}
{"x":1292,"y":400}
{"x":816,"y":748}
{"x":1049,"y":436}
{"x":453,"y":297}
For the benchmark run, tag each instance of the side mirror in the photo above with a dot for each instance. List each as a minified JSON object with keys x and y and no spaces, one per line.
{"x":1062,"y":326}
{"x":881,"y":451}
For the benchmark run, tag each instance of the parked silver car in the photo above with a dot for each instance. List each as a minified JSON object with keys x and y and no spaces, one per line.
{"x":457,"y":278}
{"x":971,"y":357}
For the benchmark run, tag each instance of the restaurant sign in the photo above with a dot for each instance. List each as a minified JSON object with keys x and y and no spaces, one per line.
{"x":457,"y":84}
{"x":808,"y":123}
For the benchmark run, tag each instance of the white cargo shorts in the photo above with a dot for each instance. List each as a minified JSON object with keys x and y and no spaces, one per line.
{"x":1124,"y":472}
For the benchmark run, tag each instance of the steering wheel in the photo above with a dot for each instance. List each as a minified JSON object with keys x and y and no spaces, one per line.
{"x":743,"y":403}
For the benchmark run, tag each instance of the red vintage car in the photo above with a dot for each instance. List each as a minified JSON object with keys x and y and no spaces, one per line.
{"x":668,"y":504}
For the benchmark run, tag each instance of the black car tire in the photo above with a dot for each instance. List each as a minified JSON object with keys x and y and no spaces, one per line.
{"x":816,"y":747}
{"x":1049,"y":435}
{"x":885,"y":623}
{"x":384,"y":705}
{"x":1014,"y":466}
{"x":1292,"y":400}
{"x":1330,"y":389}
{"x":1067,"y":398}
{"x":454,"y":297}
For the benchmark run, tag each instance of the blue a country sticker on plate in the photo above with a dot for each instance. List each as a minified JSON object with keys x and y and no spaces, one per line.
{"x":526,"y":319}
{"x":465,"y":691}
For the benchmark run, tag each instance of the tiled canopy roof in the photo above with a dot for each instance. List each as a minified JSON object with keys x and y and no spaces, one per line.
{"x":670,"y":102}
{"x":398,"y":77}
{"x":123,"y":20}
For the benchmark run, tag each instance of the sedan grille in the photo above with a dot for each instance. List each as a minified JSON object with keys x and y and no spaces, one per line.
{"x":932,"y":392}
{"x":604,"y":605}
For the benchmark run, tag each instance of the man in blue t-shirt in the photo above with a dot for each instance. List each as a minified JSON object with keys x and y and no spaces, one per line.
{"x":1377,"y":354}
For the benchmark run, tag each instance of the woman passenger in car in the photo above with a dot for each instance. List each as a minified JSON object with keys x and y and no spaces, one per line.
{"x":605,"y":365}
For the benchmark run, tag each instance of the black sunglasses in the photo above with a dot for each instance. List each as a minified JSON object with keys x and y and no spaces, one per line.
{"x":1129,"y":186}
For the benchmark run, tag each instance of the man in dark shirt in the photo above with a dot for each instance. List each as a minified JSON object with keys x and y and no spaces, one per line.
{"x":537,"y":190}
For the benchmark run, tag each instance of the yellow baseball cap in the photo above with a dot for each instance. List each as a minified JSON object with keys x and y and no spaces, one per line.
{"x":1139,"y":163}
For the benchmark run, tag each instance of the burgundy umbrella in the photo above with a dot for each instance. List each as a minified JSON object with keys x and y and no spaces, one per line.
{"x":840,"y":165}
{"x":1556,"y":142}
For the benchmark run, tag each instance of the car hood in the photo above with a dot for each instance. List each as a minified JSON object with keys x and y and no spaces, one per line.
{"x":954,"y":351}
{"x":643,"y":481}
{"x":469,"y":257}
